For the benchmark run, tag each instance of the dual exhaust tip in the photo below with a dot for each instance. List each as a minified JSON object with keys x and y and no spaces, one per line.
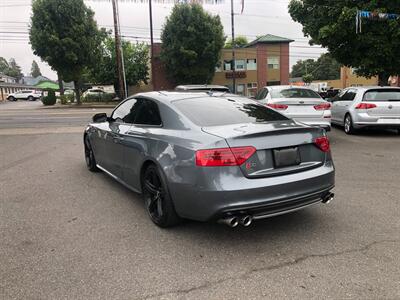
{"x":234,"y":221}
{"x":246,"y":220}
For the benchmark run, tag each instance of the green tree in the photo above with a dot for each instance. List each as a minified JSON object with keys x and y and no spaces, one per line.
{"x":191,"y":43}
{"x":35,"y":70}
{"x":136,"y":57}
{"x":308,"y":78}
{"x":65,"y":35}
{"x":3,"y":65}
{"x":331,"y":24}
{"x":14,"y":70}
{"x":240,"y":41}
{"x":324,"y":68}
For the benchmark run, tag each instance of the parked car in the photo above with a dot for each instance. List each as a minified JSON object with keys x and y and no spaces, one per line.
{"x":29,"y":95}
{"x":332,"y":92}
{"x":367,"y":107}
{"x":299,"y":103}
{"x":208,"y":157}
{"x":203,"y":88}
{"x":94,"y":92}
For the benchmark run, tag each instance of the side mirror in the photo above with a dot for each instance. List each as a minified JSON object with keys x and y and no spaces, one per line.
{"x":100,"y":118}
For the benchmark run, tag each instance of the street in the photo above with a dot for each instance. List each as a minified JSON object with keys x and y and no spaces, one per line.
{"x":68,"y":233}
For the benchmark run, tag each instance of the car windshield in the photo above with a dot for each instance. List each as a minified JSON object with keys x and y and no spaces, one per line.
{"x":214,"y":111}
{"x":294,"y":93}
{"x":382,"y":95}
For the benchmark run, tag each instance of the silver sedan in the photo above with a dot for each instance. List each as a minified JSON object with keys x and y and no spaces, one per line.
{"x":366,"y":107}
{"x":298,"y":103}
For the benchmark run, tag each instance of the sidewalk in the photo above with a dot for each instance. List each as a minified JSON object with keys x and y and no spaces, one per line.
{"x":83,"y":105}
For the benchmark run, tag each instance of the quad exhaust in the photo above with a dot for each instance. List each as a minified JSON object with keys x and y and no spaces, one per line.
{"x":230,"y":221}
{"x":246,"y":220}
{"x":234,"y":221}
{"x":328,"y":198}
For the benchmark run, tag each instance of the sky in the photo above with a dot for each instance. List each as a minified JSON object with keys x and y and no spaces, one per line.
{"x":258,"y":18}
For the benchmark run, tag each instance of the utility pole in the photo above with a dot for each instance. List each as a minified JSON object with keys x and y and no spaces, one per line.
{"x":118,"y":53}
{"x":153,"y":74}
{"x":233,"y":49}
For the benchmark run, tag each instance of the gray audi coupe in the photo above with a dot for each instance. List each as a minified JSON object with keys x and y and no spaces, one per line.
{"x":211,"y":157}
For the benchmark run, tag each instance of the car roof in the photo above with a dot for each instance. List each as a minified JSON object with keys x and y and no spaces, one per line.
{"x":200,"y":86}
{"x":370,"y":87}
{"x":281,"y":87}
{"x":172,"y":96}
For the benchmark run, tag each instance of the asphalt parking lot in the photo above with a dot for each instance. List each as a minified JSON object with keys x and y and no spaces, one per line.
{"x":68,"y":233}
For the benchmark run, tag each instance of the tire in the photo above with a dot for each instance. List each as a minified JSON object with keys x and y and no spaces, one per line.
{"x":30,"y":98}
{"x":89,"y":156}
{"x":348,"y":125}
{"x":11,"y":98}
{"x":157,"y":199}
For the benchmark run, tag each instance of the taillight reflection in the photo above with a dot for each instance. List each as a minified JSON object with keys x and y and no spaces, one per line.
{"x":277,"y":106}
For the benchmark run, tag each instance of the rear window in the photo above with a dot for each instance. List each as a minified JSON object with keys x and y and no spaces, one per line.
{"x":294,"y":93}
{"x":222,"y":111}
{"x":382,"y":95}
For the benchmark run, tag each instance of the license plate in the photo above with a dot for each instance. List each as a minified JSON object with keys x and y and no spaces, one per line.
{"x":286,"y":157}
{"x":389,"y":121}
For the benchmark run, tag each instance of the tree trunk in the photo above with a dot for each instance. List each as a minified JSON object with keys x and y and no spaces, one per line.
{"x":60,"y":84}
{"x":383,"y":79}
{"x":77,"y":92}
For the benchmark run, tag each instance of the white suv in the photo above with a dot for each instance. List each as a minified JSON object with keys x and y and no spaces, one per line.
{"x":25,"y":95}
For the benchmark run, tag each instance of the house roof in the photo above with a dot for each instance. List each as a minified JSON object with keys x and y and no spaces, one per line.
{"x":269,"y":39}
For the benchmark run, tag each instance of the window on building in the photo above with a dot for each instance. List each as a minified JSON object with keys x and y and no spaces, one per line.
{"x":240,"y":65}
{"x":240,"y":89}
{"x":251,"y":64}
{"x":227,"y":65}
{"x":273,"y":62}
{"x":252,"y":85}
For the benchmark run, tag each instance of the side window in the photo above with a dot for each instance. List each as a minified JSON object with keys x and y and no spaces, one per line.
{"x":125,"y":113}
{"x":339,"y":97}
{"x":350,"y":95}
{"x":147,"y":113}
{"x":262,"y":94}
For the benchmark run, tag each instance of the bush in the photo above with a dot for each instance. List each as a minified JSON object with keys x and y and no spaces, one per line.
{"x":50,"y":99}
{"x":106,"y":97}
{"x":65,"y":99}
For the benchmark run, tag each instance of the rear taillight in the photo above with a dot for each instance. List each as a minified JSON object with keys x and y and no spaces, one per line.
{"x":365,"y":106}
{"x":277,"y":106}
{"x":323,"y":106}
{"x":322,"y":143}
{"x":222,"y":157}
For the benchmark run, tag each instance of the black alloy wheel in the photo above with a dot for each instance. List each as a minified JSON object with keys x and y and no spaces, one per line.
{"x":89,"y":156}
{"x":158,"y":202}
{"x":11,"y":98}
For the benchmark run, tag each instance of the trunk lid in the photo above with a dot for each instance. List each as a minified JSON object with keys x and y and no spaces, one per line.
{"x":299,"y":108}
{"x":281,"y":147}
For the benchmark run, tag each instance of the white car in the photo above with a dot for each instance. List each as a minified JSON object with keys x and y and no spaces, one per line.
{"x":29,"y":95}
{"x":367,"y":107}
{"x":96,"y":92}
{"x":298,"y":103}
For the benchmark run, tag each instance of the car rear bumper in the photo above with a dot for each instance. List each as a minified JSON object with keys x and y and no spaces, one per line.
{"x":364,"y":120}
{"x":232,"y":193}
